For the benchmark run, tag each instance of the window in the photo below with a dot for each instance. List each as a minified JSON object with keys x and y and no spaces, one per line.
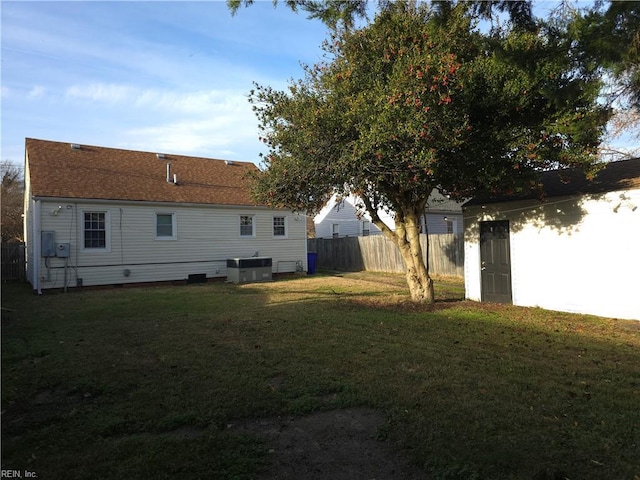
{"x":279,"y":226}
{"x":246,"y":226}
{"x":165,"y":227}
{"x":96,"y":230}
{"x":451,"y":224}
{"x":335,"y":230}
{"x":366,"y":228}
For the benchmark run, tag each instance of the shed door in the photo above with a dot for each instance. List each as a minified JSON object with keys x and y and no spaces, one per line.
{"x":495,"y":261}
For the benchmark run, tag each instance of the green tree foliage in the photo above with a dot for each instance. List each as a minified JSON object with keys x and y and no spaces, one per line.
{"x":420,"y":99}
{"x":609,"y":38}
{"x":333,"y":13}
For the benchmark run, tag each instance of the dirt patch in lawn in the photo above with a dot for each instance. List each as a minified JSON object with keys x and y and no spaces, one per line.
{"x":338,"y":445}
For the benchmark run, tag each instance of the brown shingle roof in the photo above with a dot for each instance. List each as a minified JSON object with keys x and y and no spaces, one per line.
{"x":620,"y":175}
{"x":90,"y":172}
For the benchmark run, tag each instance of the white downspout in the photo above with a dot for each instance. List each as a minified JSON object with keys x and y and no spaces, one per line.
{"x":35,"y":243}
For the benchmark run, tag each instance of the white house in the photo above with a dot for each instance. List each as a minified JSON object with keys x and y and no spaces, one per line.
{"x":106,"y":216}
{"x":577,"y":250}
{"x":342,"y":217}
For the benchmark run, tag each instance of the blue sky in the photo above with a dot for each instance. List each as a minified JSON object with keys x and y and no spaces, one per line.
{"x":160,"y":76}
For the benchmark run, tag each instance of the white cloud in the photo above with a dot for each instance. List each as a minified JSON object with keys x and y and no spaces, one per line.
{"x":100,"y":92}
{"x":144,"y":75}
{"x":36,"y":92}
{"x":214,"y":131}
{"x":188,"y":102}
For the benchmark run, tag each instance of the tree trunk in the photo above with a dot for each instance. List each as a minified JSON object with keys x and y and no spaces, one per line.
{"x":407,"y":238}
{"x":418,"y":279}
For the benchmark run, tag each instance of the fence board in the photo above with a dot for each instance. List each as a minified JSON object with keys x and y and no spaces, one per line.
{"x":13,"y":264}
{"x":378,"y":253}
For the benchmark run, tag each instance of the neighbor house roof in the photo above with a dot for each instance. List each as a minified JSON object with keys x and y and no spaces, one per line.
{"x":65,"y":170}
{"x":620,"y":175}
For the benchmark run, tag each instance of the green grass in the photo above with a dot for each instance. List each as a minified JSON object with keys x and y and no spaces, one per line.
{"x":142,"y":383}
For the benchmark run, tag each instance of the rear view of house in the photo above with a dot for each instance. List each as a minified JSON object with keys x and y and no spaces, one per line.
{"x":106,"y":216}
{"x":577,"y":250}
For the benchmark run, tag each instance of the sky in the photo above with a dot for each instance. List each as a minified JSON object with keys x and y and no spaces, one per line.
{"x":158,"y":76}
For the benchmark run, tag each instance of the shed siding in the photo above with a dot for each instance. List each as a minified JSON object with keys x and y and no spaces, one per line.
{"x":573,"y":255}
{"x":205,"y":237}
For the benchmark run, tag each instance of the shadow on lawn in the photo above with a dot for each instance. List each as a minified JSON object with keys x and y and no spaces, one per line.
{"x":95,"y":384}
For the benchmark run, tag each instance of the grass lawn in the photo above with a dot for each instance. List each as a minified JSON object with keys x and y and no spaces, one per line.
{"x":142,"y":383}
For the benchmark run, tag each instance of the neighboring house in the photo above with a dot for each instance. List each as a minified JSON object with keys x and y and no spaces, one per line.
{"x":341,"y":217}
{"x":106,"y":216}
{"x":577,"y":250}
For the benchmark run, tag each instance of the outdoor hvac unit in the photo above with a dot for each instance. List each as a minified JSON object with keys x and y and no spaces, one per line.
{"x":245,"y":270}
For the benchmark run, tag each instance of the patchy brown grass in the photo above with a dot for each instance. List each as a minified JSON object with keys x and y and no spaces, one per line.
{"x":143,"y":383}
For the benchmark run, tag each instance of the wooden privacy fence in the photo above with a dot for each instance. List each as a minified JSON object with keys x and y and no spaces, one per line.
{"x":378,"y":253}
{"x":13,"y":266}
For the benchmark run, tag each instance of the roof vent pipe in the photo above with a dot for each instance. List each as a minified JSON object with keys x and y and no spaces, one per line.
{"x":160,"y":155}
{"x":175,"y":179}
{"x":75,"y":146}
{"x":168,"y":172}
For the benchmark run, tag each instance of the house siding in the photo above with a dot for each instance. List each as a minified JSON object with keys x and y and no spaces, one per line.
{"x":437,"y":225}
{"x":205,"y":237}
{"x":573,"y":254}
{"x":345,"y":215}
{"x":29,"y":208}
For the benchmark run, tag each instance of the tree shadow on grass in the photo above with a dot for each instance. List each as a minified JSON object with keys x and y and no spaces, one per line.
{"x":466,"y":389}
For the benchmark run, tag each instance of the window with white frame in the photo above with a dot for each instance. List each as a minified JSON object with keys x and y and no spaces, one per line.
{"x":246,"y":226}
{"x":335,"y":230}
{"x":165,"y":226}
{"x":366,"y":228}
{"x":96,"y":230}
{"x":279,"y":226}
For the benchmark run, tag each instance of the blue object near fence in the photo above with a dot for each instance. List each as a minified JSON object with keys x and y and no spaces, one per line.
{"x":311,"y":262}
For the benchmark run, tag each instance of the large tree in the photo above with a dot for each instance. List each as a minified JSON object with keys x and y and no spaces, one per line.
{"x":421,"y":99}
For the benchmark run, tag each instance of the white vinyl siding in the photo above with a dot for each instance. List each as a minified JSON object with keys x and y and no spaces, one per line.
{"x":345,"y":215}
{"x":444,"y":223}
{"x":208,"y":236}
